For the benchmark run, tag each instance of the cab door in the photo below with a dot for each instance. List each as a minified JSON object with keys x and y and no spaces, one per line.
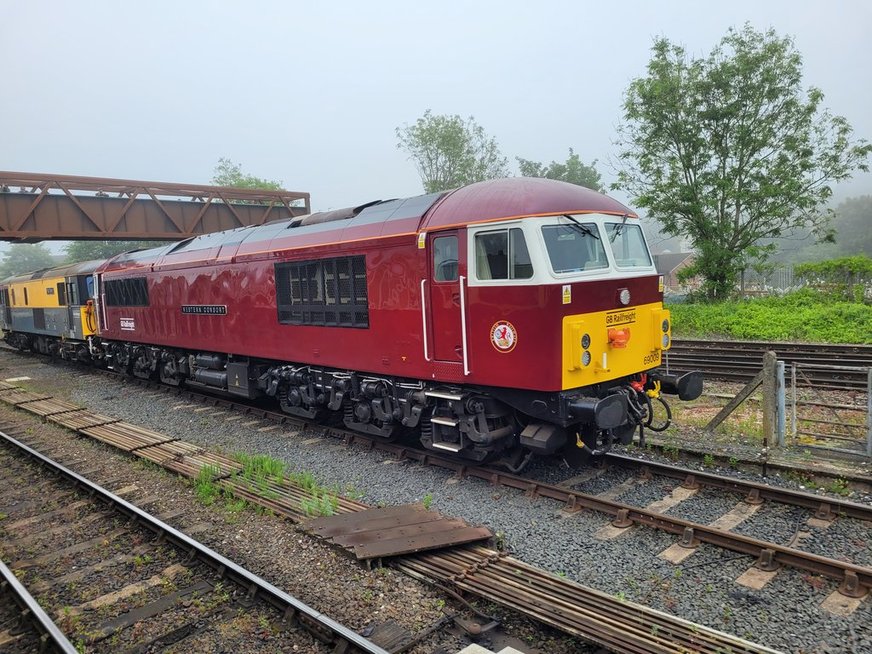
{"x":447,"y":255}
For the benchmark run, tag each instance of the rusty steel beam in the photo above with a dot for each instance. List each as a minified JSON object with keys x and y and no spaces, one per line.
{"x":41,"y":207}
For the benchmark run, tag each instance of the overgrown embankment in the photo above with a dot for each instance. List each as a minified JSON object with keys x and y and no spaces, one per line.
{"x":804,"y":315}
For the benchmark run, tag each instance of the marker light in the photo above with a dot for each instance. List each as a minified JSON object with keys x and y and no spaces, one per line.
{"x":585,"y":341}
{"x":624,"y":296}
{"x":665,"y":325}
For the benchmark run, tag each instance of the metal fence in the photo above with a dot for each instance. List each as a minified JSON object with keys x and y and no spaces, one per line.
{"x":806,"y":419}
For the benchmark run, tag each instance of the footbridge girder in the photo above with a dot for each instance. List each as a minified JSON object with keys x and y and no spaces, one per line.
{"x":42,"y":207}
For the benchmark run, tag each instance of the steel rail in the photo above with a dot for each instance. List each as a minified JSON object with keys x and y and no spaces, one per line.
{"x":855,"y":579}
{"x":293,"y":608}
{"x":827,"y":507}
{"x":619,"y":625}
{"x":740,"y":360}
{"x":50,"y":633}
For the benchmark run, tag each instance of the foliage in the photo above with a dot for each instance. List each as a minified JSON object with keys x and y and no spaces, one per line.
{"x":24,"y":258}
{"x":805,"y":315}
{"x":837,"y":269}
{"x":260,"y":466}
{"x":319,"y":504}
{"x":730,"y":149}
{"x":228,"y":173}
{"x":573,"y":171}
{"x":89,"y":250}
{"x":205,"y":488}
{"x":449,"y":151}
{"x":846,"y":278}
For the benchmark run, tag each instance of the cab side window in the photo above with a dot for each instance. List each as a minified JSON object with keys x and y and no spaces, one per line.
{"x":502,"y":254}
{"x":445,"y":259}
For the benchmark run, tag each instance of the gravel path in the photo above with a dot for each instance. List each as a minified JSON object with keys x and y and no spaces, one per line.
{"x":785,"y":614}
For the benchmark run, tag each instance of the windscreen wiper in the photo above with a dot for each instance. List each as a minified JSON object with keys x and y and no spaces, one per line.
{"x":582,"y":228}
{"x":619,"y":229}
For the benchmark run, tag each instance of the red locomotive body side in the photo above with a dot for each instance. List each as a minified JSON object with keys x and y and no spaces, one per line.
{"x":391,"y":345}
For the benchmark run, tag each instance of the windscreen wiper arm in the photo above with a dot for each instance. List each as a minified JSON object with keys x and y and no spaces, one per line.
{"x":619,"y":229}
{"x":582,"y":228}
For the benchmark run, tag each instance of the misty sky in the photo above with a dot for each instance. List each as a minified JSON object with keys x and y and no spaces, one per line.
{"x":310,"y":93}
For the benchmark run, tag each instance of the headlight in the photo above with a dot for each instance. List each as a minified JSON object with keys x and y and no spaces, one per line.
{"x":665,"y":325}
{"x":585,"y":341}
{"x":585,"y":358}
{"x":624,"y":296}
{"x":665,"y":340}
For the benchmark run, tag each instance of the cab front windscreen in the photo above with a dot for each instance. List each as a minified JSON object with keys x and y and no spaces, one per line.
{"x":628,"y":245}
{"x":574,"y":247}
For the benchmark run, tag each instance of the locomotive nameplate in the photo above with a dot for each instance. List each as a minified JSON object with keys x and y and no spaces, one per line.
{"x":128,"y":324}
{"x":205,"y":309}
{"x":620,"y":317}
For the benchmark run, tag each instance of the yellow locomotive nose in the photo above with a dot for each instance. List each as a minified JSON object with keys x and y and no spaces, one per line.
{"x":606,"y":345}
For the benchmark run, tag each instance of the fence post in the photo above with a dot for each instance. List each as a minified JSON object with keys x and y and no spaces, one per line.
{"x":793,"y":402}
{"x":869,"y":413}
{"x":780,"y":417}
{"x":770,"y":399}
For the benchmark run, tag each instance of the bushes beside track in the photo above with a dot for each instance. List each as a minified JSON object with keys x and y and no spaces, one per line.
{"x":804,"y":315}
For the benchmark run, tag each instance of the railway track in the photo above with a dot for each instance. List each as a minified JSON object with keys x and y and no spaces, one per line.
{"x":137,"y":584}
{"x":855,"y":580}
{"x":825,"y":366}
{"x":611,"y":622}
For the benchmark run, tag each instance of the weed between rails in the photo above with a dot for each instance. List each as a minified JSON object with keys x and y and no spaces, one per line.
{"x":262,"y":476}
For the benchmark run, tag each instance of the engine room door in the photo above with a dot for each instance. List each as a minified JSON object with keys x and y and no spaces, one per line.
{"x":447,"y":263}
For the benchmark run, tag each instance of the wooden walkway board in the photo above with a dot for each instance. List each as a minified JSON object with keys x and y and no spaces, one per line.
{"x":395,"y":530}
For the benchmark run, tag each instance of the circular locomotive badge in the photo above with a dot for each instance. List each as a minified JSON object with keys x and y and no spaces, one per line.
{"x":503,"y":336}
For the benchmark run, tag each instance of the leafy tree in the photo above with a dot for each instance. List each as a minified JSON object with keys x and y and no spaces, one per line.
{"x":24,"y":258}
{"x":574,"y":171}
{"x":228,"y":173}
{"x":730,"y":149}
{"x":449,"y":151}
{"x":87,"y":250}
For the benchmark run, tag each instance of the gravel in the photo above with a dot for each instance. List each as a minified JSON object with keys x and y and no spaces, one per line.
{"x":784,"y":615}
{"x":317,"y":573}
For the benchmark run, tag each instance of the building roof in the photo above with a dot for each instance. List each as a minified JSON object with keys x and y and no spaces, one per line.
{"x":669,"y":261}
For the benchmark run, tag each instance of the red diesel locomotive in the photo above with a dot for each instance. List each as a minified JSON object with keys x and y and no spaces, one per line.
{"x":503,"y":318}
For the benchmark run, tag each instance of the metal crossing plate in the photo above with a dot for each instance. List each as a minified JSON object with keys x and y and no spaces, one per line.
{"x":396,"y":530}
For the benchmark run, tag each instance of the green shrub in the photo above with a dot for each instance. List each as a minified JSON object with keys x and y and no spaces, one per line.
{"x":804,"y":315}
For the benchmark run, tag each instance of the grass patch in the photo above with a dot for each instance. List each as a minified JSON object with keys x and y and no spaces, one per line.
{"x":804,"y":315}
{"x":261,"y":472}
{"x":205,"y":487}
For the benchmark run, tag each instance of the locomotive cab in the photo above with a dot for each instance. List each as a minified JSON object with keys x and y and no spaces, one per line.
{"x":561,"y":319}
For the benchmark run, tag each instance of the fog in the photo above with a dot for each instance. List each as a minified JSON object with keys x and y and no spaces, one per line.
{"x":310,"y":93}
